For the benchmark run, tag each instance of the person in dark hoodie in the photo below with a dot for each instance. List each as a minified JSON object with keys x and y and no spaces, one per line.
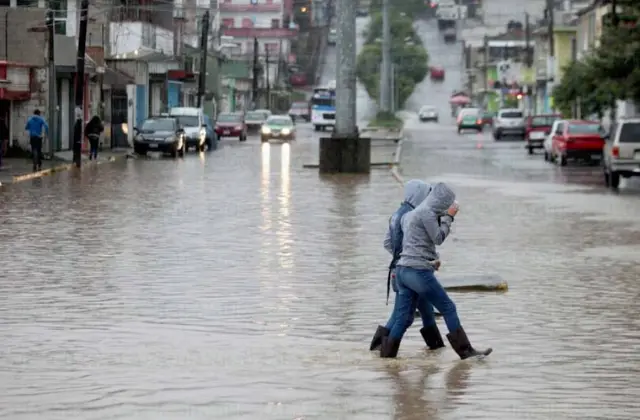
{"x":425,"y":228}
{"x":415,"y":192}
{"x":93,"y":130}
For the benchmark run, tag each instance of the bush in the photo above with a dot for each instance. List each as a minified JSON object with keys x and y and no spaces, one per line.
{"x":386,"y":120}
{"x":407,"y":54}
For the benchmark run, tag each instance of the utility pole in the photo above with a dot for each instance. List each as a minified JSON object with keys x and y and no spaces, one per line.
{"x":551,"y":60}
{"x":79,"y":91}
{"x":485,"y":68}
{"x":51,"y":106}
{"x":256,"y":73}
{"x":268,"y":83}
{"x":385,"y":69}
{"x":392,"y":89}
{"x":346,"y":78}
{"x":204,"y":45}
{"x":527,"y":58}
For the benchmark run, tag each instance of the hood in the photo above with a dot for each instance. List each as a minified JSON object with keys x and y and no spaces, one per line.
{"x":440,"y":198}
{"x":154,"y":133}
{"x":415,"y":191}
{"x":228,"y":123}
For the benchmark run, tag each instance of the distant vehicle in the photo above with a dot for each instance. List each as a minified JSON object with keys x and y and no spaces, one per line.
{"x":436,"y":73}
{"x":470,"y":119}
{"x":198,"y":128}
{"x":255,"y":119}
{"x":323,"y":108}
{"x":362,"y":12}
{"x":448,"y":13}
{"x":231,"y":124}
{"x":577,"y":139}
{"x":466,"y":111}
{"x":508,"y":122}
{"x":537,"y":129}
{"x":159,"y":134}
{"x":487,"y":118}
{"x":298,"y":79}
{"x":428,"y":113}
{"x":621,"y":156}
{"x":300,"y":110}
{"x":278,"y":127}
{"x":332,"y":39}
{"x":450,"y":35}
{"x":548,"y":141}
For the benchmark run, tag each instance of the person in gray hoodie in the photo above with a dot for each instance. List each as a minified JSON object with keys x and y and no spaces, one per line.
{"x":415,"y":192}
{"x":425,"y":228}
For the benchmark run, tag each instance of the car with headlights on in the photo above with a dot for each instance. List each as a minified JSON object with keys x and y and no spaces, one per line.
{"x":231,"y":124}
{"x":160,"y":134}
{"x":278,"y":127}
{"x":198,"y":128}
{"x":428,"y":113}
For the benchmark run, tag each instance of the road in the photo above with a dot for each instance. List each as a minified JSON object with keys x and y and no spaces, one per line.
{"x":236,"y":285}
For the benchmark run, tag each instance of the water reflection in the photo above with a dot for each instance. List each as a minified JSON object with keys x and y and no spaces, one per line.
{"x":284,"y":221}
{"x":265,"y":180}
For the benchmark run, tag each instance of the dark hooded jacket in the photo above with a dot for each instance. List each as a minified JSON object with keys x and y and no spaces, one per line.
{"x":94,"y":126}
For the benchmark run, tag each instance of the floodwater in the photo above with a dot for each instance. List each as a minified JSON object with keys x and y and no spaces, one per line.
{"x":236,"y":285}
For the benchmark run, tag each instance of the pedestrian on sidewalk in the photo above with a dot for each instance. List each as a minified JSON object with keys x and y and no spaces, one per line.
{"x":93,"y":130}
{"x":37,"y":128}
{"x":4,"y":138}
{"x":415,"y":192}
{"x":425,"y":228}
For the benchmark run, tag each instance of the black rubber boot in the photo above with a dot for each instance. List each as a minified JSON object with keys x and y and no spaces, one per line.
{"x":377,"y":337}
{"x":432,"y":337}
{"x":462,"y":346}
{"x":389,"y":347}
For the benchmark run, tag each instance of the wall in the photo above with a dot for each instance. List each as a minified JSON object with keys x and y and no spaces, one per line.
{"x":255,"y":20}
{"x":563,"y":52}
{"x":127,"y":37}
{"x":17,"y":42}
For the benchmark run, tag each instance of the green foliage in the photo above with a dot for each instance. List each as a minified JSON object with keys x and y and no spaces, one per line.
{"x":610,"y":72}
{"x":407,"y":53}
{"x":386,"y":120}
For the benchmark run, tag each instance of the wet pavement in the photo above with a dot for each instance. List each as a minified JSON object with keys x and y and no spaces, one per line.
{"x":237,"y":285}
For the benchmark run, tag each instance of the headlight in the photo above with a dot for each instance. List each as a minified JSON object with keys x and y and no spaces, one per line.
{"x":238,"y":127}
{"x":266,"y":130}
{"x":170,"y":139}
{"x":286,"y":131}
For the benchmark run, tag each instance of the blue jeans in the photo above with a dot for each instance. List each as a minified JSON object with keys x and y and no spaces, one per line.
{"x":426,"y":309}
{"x":415,"y":285}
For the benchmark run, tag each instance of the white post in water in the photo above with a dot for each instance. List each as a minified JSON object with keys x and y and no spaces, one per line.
{"x":346,"y":77}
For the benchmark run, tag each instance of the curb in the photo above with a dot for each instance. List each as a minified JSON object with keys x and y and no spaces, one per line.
{"x":61,"y":168}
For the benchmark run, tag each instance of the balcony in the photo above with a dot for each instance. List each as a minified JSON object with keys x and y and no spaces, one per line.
{"x":129,"y":37}
{"x":260,"y":32}
{"x":251,"y":8}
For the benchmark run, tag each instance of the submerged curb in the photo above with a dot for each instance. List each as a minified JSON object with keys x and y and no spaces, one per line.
{"x":395,"y":173}
{"x":61,"y":168}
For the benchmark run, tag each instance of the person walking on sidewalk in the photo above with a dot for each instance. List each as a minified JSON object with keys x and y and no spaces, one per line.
{"x":425,"y":228}
{"x":4,"y":138}
{"x":36,"y":126}
{"x":93,"y":130}
{"x":415,"y":192}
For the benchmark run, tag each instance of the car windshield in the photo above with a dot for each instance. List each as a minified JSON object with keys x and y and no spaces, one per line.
{"x":256,"y":116}
{"x":299,"y":105}
{"x":280,"y":122}
{"x":427,"y":109}
{"x":543,"y":121}
{"x":630,"y":133}
{"x":188,"y":120}
{"x":585,"y":129}
{"x":158,"y":125}
{"x":465,"y":112}
{"x":229,"y":118}
{"x":511,"y":114}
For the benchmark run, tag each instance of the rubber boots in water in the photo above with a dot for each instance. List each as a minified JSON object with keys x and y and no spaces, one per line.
{"x":377,"y":337}
{"x":389,"y":347}
{"x":432,"y":337}
{"x":463,"y":347}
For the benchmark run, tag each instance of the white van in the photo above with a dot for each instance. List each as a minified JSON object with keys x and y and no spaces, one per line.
{"x":198,"y":128}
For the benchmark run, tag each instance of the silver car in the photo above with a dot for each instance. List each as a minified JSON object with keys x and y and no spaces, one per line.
{"x":428,"y":113}
{"x":621,"y":155}
{"x":508,"y":122}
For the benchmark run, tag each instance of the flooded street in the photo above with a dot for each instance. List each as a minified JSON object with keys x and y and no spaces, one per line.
{"x":237,"y":285}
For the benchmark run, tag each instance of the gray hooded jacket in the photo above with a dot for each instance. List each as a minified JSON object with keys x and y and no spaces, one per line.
{"x":426,"y":227}
{"x":415,"y":192}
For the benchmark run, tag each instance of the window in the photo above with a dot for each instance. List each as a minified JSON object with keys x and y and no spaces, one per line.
{"x":247,"y":23}
{"x":59,"y":8}
{"x":227,"y":23}
{"x":560,"y":129}
{"x":26,"y":3}
{"x":510,"y":114}
{"x":630,"y":133}
{"x":585,"y":129}
{"x":275,"y":23}
{"x":6,"y":3}
{"x":271,"y":47}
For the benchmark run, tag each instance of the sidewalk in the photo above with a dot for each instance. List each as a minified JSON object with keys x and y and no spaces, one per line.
{"x":19,"y":169}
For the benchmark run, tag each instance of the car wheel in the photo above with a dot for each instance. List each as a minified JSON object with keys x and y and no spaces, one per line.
{"x":614,"y":180}
{"x":436,"y":120}
{"x":263,"y":140}
{"x":459,"y":130}
{"x":243,"y":137}
{"x":139,"y":150}
{"x":546,"y":156}
{"x":173,"y":153}
{"x":182,"y":150}
{"x":530,"y":150}
{"x":316,"y":128}
{"x":562,"y":160}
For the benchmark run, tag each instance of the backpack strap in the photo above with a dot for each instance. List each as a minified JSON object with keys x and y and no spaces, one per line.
{"x":388,"y":286}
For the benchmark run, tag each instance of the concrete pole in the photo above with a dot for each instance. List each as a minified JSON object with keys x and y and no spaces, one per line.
{"x":385,"y":68}
{"x":346,"y":77}
{"x":52,"y":115}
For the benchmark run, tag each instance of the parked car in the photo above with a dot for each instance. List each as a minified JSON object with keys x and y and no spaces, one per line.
{"x":300,"y":110}
{"x":450,"y":35}
{"x":231,"y":124}
{"x":255,"y":119}
{"x":487,"y":118}
{"x":159,"y":134}
{"x":428,"y":113}
{"x":298,"y":79}
{"x":548,"y":141}
{"x":508,"y":122}
{"x":470,"y":119}
{"x":537,"y":128}
{"x":198,"y":128}
{"x":332,"y":38}
{"x":436,"y":73}
{"x":278,"y":127}
{"x":577,"y":139}
{"x":621,"y":157}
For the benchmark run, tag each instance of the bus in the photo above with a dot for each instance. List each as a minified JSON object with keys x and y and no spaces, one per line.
{"x":323,"y":108}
